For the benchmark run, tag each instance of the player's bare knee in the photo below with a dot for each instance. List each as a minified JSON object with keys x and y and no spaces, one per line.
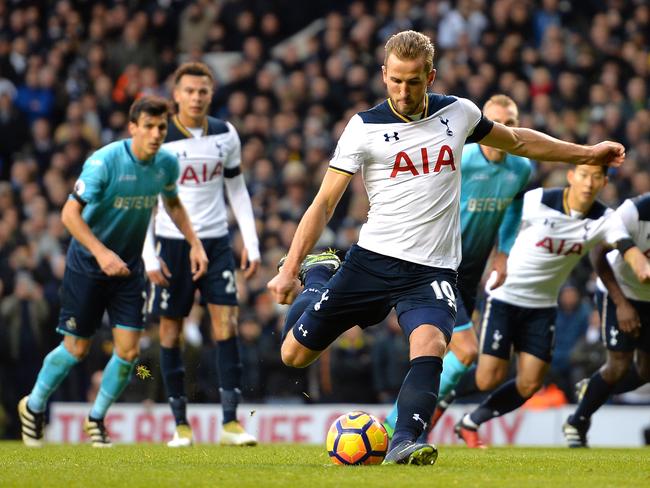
{"x":79,"y":348}
{"x":170,"y":333}
{"x":427,"y":341}
{"x":293,"y":357}
{"x":467,"y":354}
{"x":488,"y":381}
{"x":527,"y":387}
{"x":616,"y":367}
{"x":128,"y":354}
{"x":224,"y":321}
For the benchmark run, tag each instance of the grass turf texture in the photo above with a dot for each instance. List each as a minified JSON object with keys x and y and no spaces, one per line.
{"x":308,"y":466}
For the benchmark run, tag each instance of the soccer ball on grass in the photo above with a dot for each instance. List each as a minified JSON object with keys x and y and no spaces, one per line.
{"x":357,"y":438}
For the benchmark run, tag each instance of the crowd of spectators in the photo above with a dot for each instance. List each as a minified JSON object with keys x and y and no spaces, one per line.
{"x":70,"y":69}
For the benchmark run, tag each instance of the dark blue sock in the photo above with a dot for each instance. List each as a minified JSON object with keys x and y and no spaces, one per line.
{"x":466,"y":385}
{"x":230,"y":370}
{"x":595,"y":396}
{"x":504,"y":399}
{"x":179,"y":409}
{"x":315,"y":280}
{"x":228,"y":364}
{"x":173,"y":373}
{"x":417,"y":398}
{"x":229,"y":401}
{"x":630,"y":382}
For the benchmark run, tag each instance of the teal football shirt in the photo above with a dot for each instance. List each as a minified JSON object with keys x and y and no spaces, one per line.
{"x":490,"y":204}
{"x":119,"y":193}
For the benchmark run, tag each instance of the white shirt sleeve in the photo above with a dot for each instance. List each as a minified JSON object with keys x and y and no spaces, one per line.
{"x":629,"y":215}
{"x":473,"y":114}
{"x":240,"y":202}
{"x":234,"y":155}
{"x":532,"y":199}
{"x":350,"y":154}
{"x":614,"y":228}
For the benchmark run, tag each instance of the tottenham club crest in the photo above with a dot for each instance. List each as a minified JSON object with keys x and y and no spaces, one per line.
{"x":445,"y":122}
{"x":496,"y":340}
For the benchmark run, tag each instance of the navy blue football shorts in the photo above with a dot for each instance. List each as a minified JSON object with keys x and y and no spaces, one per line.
{"x":506,"y":327}
{"x":84,"y":299}
{"x":614,"y":338}
{"x":367,"y":287}
{"x":217,"y":286}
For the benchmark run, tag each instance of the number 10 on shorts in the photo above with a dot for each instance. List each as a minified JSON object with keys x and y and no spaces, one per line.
{"x":444,"y":291}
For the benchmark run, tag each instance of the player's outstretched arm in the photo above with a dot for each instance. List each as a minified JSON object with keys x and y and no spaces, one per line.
{"x":240,"y":202}
{"x":537,"y":145}
{"x":639,"y":264}
{"x":109,"y":262}
{"x":283,"y":287}
{"x":626,"y":314}
{"x":198,"y":257}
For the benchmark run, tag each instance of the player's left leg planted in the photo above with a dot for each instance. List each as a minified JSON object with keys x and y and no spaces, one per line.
{"x":115,"y":378}
{"x":224,"y":326}
{"x":417,"y":399}
{"x":452,"y":370}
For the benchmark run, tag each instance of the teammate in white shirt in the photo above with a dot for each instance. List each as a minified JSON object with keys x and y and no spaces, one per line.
{"x":408,"y":150}
{"x":624,"y":306}
{"x":559,"y":226}
{"x":208,"y":150}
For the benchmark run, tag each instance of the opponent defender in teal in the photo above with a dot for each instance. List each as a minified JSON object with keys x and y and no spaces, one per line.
{"x":107,"y":215}
{"x":493,"y":184}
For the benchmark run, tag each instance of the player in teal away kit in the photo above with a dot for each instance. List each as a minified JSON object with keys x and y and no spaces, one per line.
{"x":107,"y":215}
{"x":493,"y":184}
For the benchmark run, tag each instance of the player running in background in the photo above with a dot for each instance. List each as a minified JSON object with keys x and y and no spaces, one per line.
{"x":107,"y":216}
{"x":209,"y":153}
{"x":559,"y":226}
{"x":491,"y":196}
{"x":624,"y":306}
{"x":408,"y":149}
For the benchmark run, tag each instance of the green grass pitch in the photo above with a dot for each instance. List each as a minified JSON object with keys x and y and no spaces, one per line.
{"x":156,"y":466}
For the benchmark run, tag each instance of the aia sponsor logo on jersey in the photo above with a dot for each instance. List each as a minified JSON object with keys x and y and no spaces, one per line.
{"x":560,"y":246}
{"x":200,"y":173}
{"x":404,"y":163}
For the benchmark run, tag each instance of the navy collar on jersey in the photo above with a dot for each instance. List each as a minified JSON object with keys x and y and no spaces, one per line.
{"x":185,"y":131}
{"x":425,"y":112}
{"x":142,"y":162}
{"x":558,"y":199}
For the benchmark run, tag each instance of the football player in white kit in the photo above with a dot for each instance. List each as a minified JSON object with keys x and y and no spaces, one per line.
{"x":559,"y":226}
{"x":408,"y":149}
{"x":624,"y":306}
{"x":208,"y":150}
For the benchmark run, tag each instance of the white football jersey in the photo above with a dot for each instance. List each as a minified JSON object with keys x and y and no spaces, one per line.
{"x":549,"y":245}
{"x":204,"y":161}
{"x":635,"y":214}
{"x":411,"y":170}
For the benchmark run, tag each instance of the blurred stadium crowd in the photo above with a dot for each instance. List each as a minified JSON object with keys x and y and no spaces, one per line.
{"x":70,"y":69}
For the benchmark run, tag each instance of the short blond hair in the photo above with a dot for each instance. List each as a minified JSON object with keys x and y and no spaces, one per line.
{"x":501,"y":100}
{"x":411,"y":45}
